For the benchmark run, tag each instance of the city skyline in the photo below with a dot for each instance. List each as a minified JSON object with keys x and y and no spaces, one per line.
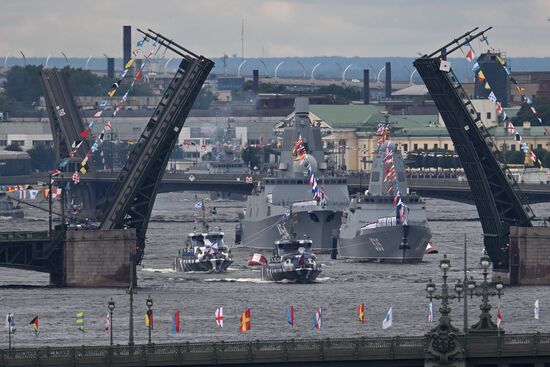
{"x":372,"y":28}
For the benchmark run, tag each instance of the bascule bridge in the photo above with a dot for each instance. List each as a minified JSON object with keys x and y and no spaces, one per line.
{"x":106,"y":255}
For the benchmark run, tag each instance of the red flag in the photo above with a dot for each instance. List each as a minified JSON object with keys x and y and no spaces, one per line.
{"x":470,"y":55}
{"x":499,"y":317}
{"x":176,"y":323}
{"x":361,"y":311}
{"x":85,"y":133}
{"x":138,"y":75}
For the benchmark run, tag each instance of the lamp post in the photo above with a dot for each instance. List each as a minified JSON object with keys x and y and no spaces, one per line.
{"x":485,"y":324}
{"x":443,"y":342}
{"x":111,"y":306}
{"x":149,"y":303}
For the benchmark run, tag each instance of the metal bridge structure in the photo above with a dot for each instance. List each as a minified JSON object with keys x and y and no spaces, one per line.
{"x":499,"y":201}
{"x":65,"y":120}
{"x":134,"y":192}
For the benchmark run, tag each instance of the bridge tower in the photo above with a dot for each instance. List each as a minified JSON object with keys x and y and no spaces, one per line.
{"x":133,"y":195}
{"x":500,"y":203}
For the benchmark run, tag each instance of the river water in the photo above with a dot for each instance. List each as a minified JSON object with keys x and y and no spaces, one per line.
{"x":341,"y":287}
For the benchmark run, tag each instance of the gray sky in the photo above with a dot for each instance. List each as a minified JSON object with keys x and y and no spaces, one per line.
{"x":368,"y":28}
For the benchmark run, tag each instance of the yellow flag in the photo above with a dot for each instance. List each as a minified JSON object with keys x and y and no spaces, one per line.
{"x":480,"y":75}
{"x":129,"y":63}
{"x":146,"y":320}
{"x":487,"y":86}
{"x":502,"y":62}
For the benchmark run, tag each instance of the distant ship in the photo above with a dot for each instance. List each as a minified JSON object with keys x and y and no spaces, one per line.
{"x":226,"y":159}
{"x":204,"y":250}
{"x":303,"y":181}
{"x":386,"y":223}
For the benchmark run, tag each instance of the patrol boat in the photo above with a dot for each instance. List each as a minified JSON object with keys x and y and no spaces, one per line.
{"x":385,"y":224}
{"x":204,"y":251}
{"x":302,"y":178}
{"x":292,"y":260}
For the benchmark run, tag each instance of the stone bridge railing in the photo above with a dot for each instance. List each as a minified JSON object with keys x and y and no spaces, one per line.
{"x":386,"y":351}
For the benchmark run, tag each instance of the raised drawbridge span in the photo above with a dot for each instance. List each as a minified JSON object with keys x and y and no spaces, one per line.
{"x":133,"y":194}
{"x":496,"y":194}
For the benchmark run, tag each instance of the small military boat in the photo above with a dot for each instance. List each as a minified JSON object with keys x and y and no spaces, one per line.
{"x":204,"y":251}
{"x":292,"y":259}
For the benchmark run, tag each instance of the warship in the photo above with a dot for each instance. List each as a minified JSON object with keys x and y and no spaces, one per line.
{"x":386,"y":223}
{"x":204,"y":250}
{"x":301,"y":180}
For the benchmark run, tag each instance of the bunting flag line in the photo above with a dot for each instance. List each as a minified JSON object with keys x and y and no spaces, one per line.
{"x":245,"y":321}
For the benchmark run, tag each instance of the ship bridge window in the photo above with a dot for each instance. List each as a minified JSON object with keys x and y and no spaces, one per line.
{"x":375,"y":176}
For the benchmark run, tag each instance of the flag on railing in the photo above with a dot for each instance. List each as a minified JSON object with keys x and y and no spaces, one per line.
{"x":290,"y":315}
{"x":79,"y":320}
{"x":107,"y":325}
{"x":317,"y":319}
{"x":537,"y":310}
{"x":430,"y":312}
{"x":10,"y":322}
{"x":499,"y":317}
{"x":149,"y":319}
{"x":245,"y":321}
{"x":361,"y":311}
{"x":35,"y":325}
{"x":388,"y":320}
{"x":219,"y":316}
{"x":176,"y":323}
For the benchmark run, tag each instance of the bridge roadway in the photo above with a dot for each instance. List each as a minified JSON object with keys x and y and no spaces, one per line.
{"x":505,"y":350}
{"x":441,"y":188}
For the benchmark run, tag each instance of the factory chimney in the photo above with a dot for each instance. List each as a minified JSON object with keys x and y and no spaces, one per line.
{"x":366,"y":86}
{"x":110,"y":67}
{"x":126,"y":44}
{"x":387,"y":93}
{"x":255,"y":81}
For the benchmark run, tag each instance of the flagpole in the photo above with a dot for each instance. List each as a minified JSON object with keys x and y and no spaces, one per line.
{"x":9,"y":332}
{"x":465,"y":326}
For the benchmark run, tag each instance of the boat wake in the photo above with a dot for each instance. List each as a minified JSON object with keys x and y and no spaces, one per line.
{"x":238,"y":280}
{"x":160,"y":270}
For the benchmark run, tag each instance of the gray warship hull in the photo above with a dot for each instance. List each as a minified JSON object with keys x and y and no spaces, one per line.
{"x":316,"y":224}
{"x":385,"y":244}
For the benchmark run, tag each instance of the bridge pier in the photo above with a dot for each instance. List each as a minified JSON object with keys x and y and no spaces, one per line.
{"x":529,"y":254}
{"x":98,"y":258}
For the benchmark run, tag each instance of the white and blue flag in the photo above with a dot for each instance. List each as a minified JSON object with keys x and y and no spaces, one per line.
{"x":388,"y":319}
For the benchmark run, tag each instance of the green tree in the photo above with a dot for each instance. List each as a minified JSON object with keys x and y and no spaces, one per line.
{"x":42,"y":157}
{"x":203,"y":100}
{"x":526,"y":114}
{"x":348,"y":93}
{"x":13,"y":147}
{"x":23,"y":83}
{"x":84,"y":82}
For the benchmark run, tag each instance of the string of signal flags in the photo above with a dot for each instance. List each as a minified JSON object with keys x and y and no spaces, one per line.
{"x":245,"y":320}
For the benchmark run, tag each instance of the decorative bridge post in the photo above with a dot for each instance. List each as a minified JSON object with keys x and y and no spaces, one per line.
{"x":443,"y":344}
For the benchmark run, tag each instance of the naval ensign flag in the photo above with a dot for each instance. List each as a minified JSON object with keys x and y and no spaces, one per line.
{"x":388,"y":319}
